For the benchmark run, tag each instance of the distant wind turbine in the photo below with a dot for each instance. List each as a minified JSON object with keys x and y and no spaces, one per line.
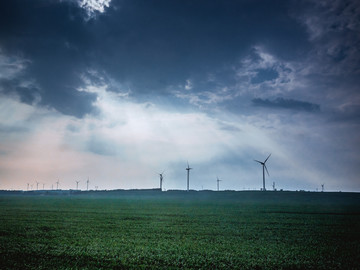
{"x":28,"y":186}
{"x":218,"y":182}
{"x":43,"y":186}
{"x":322,"y":187}
{"x":188,"y":174}
{"x":87,"y":184}
{"x":57,"y":184}
{"x":264,"y":168}
{"x":37,"y":185}
{"x":161,"y":179}
{"x":274,"y":186}
{"x":77,"y":185}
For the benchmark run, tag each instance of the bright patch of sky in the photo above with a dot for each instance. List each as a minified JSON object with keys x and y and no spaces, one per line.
{"x":127,"y":143}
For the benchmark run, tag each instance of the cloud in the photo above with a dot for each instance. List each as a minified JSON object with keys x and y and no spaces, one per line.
{"x":333,"y":28}
{"x":282,"y":103}
{"x":13,"y":80}
{"x":93,"y":6}
{"x":11,"y":66}
{"x":262,"y":73}
{"x":126,"y":143}
{"x":150,"y":56}
{"x":205,"y":99}
{"x":133,"y":134}
{"x":188,"y":85}
{"x":346,"y":113}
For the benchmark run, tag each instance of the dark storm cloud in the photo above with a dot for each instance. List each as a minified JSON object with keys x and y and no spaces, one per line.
{"x":28,"y":94}
{"x":42,"y":33}
{"x":282,"y":103}
{"x":334,"y":27}
{"x":147,"y":46}
{"x":163,"y":43}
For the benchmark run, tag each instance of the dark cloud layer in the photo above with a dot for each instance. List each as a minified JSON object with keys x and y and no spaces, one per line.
{"x":282,"y":103}
{"x":147,"y":46}
{"x":40,"y":32}
{"x":154,"y":47}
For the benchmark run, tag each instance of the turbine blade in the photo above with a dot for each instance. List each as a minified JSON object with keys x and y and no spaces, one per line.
{"x":258,"y":161}
{"x":266,"y":170}
{"x":267,"y":158}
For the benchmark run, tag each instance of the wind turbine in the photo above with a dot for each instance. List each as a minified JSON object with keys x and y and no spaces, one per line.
{"x":28,"y":186}
{"x":57,"y":184}
{"x":188,"y":174}
{"x":43,"y":186}
{"x":161,"y":179}
{"x":322,"y":187}
{"x":87,"y":184}
{"x":264,"y":168}
{"x":37,"y":185}
{"x":218,"y":182}
{"x":274,"y":186}
{"x":77,"y":184}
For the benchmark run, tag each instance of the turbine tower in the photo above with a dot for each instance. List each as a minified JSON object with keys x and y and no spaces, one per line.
{"x":322,"y":187}
{"x":188,"y":174}
{"x":274,"y":186}
{"x":28,"y":186}
{"x":218,"y":182}
{"x":264,"y":168}
{"x":161,"y":179}
{"x":57,"y":184}
{"x":87,"y":184}
{"x":43,"y":186}
{"x":37,"y":185}
{"x":77,"y":185}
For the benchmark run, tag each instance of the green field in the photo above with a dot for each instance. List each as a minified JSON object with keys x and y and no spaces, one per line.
{"x":172,"y":230}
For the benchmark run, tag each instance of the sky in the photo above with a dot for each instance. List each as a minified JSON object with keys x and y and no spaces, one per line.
{"x":118,"y":91}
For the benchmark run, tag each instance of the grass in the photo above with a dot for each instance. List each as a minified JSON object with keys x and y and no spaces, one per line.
{"x":172,"y":230}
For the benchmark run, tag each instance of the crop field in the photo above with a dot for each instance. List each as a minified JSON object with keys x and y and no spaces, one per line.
{"x":178,"y":230}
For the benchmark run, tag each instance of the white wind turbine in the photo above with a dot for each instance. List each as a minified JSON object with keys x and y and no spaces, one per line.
{"x":218,"y":183}
{"x":188,"y":175}
{"x":264,"y":168}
